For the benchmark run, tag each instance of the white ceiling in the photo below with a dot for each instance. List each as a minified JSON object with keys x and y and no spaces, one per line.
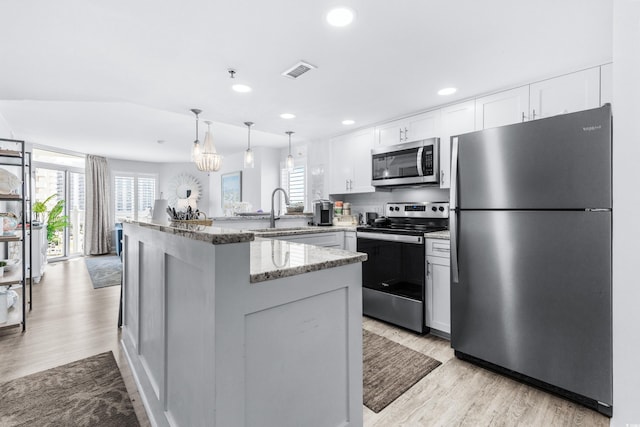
{"x":113,"y":77}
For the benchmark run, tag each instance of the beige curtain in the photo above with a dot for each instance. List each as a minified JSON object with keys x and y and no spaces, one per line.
{"x":99,"y":215}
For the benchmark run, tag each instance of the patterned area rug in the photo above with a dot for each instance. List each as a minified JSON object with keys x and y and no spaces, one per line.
{"x":105,"y":270}
{"x":88,"y":392}
{"x":390,"y":369}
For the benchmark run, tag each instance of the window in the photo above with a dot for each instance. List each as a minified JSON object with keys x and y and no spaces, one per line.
{"x":134,"y":196}
{"x":61,"y":175}
{"x":295,"y":184}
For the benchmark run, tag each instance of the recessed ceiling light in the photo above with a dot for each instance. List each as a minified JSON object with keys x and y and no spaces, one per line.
{"x":241,"y":88}
{"x":160,"y":141}
{"x":447,"y":91}
{"x":287,"y":116}
{"x":340,"y":17}
{"x":348,"y":122}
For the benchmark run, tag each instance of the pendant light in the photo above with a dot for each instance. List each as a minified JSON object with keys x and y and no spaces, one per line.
{"x":195,"y":150}
{"x":204,"y":155}
{"x":289,"y":157}
{"x":210,"y":160}
{"x":248,"y":154}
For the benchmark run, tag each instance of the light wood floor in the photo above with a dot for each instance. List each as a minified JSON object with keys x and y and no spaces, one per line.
{"x":71,"y":320}
{"x":458,"y":393}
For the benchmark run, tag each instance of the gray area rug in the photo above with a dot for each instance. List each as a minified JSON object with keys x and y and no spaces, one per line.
{"x":390,"y":369}
{"x":105,"y":270}
{"x":87,"y":392}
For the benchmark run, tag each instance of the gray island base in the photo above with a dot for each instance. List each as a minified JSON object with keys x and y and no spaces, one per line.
{"x":222,"y":330}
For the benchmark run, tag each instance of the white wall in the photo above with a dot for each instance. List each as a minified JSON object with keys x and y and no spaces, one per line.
{"x":170,"y":170}
{"x":5,"y":130}
{"x":165,"y":172}
{"x":626,"y":213}
{"x":257,"y":183}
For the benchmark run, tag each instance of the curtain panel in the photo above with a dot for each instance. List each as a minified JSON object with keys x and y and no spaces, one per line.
{"x":99,"y":215}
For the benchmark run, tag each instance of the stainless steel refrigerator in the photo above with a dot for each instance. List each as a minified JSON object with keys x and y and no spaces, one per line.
{"x":531,"y":253}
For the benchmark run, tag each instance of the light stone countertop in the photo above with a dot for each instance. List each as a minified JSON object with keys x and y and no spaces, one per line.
{"x":269,"y":258}
{"x":273,"y":259}
{"x":444,"y":235}
{"x":278,"y":232}
{"x":203,"y":233}
{"x":261,"y":216}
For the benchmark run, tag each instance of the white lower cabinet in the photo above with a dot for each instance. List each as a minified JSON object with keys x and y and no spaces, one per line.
{"x":327,"y":240}
{"x":350,"y":242}
{"x":438,"y":305}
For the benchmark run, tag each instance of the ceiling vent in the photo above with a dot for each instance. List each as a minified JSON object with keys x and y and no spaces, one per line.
{"x":299,"y":69}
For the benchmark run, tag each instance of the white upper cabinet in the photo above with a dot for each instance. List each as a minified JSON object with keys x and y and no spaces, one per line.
{"x":421,"y":126}
{"x":565,"y":94}
{"x":502,"y":108}
{"x":392,"y":133}
{"x":351,"y":163}
{"x":606,"y":84}
{"x":455,"y":120}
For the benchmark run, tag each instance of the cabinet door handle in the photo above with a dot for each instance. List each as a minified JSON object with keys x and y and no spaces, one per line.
{"x":350,"y":185}
{"x":401,"y":131}
{"x":534,"y":114}
{"x":406,"y":132}
{"x":523,"y":116}
{"x":428,"y":273}
{"x":441,"y":176}
{"x":346,"y":184}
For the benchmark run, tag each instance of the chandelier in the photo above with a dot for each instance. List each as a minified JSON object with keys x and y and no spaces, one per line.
{"x":204,"y":155}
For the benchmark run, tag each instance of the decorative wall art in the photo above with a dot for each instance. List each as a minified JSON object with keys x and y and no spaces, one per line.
{"x":231,"y":187}
{"x":183,"y":191}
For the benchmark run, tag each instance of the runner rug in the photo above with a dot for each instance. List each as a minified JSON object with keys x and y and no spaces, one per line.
{"x":87,"y":392}
{"x":390,"y":369}
{"x":104,"y":270}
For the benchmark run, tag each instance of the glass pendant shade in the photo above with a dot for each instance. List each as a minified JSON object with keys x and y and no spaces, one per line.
{"x":195,"y":151}
{"x":289,"y":163}
{"x":248,"y":158}
{"x":248,"y":154}
{"x":210,"y":160}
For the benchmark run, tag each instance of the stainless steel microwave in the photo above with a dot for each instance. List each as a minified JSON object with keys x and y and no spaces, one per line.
{"x":406,"y":164}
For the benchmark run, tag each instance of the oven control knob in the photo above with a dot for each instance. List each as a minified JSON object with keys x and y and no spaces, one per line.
{"x":441,"y":209}
{"x":391,"y":208}
{"x":434,"y":209}
{"x":397,"y":209}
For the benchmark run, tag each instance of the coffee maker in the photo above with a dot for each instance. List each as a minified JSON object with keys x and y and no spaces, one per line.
{"x":322,"y":212}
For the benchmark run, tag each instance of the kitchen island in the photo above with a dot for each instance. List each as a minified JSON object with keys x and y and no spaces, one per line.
{"x":225,"y":329}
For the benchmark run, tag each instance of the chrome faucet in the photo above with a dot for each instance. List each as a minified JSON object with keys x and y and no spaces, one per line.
{"x":272,"y":218}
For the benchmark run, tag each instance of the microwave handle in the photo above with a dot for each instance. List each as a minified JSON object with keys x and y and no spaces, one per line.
{"x":419,"y":161}
{"x":453,"y":210}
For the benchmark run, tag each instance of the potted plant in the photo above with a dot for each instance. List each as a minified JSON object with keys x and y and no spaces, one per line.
{"x":54,"y":219}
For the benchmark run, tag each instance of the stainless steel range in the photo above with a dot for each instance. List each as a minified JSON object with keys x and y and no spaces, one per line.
{"x":394,"y":275}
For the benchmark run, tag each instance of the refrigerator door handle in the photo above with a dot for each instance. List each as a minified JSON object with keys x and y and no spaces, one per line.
{"x":453,"y":208}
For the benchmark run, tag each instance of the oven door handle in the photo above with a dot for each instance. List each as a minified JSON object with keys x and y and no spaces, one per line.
{"x":416,"y":240}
